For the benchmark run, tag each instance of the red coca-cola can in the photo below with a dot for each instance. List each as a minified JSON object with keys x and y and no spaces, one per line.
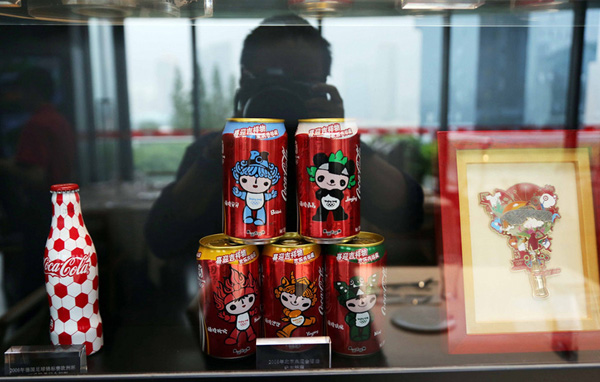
{"x":328,"y":173}
{"x":254,"y":179}
{"x":229,"y":297}
{"x":356,"y":300}
{"x":292,"y":288}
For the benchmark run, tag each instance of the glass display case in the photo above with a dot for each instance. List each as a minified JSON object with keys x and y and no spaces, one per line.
{"x":479,"y":127}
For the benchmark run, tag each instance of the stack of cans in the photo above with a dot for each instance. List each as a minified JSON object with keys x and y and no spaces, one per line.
{"x":255,"y":166}
{"x":327,"y":279}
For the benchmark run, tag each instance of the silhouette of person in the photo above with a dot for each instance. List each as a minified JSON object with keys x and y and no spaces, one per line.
{"x":44,"y":156}
{"x":285,"y":63}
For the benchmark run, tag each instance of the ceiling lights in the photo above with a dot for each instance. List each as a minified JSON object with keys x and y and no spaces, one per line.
{"x":440,"y":4}
{"x":319,"y":8}
{"x":10,"y":3}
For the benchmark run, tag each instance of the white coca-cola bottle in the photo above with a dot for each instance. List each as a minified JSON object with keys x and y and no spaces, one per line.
{"x":71,"y":271}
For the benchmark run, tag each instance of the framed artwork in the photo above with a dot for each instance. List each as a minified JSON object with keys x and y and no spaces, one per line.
{"x":519,"y":240}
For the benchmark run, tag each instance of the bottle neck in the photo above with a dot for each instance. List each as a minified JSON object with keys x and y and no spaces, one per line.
{"x":66,"y":204}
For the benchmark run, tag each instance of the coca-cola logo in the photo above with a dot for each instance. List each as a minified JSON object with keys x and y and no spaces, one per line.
{"x":284,"y":164}
{"x":71,"y":267}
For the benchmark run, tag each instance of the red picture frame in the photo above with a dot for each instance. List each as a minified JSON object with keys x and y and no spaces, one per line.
{"x":459,"y":290}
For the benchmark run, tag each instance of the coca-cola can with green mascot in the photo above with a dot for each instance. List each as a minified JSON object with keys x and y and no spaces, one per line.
{"x":356,"y":277}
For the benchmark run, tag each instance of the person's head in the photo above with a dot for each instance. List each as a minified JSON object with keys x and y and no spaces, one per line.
{"x":288,"y":44}
{"x":281,"y":61}
{"x":36,"y":86}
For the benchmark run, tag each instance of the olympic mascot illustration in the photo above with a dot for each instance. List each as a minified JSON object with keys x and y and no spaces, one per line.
{"x":359,"y":298}
{"x":333,"y":174}
{"x":235,"y":299}
{"x":255,"y":176}
{"x":297,"y":296}
{"x":526,"y":214}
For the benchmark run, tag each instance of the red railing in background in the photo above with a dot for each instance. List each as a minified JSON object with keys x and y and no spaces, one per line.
{"x":420,"y":131}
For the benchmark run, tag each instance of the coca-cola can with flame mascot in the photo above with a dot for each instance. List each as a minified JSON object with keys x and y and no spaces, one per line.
{"x":328,"y":178}
{"x":254,"y":179}
{"x":229,"y":296}
{"x":71,"y":273}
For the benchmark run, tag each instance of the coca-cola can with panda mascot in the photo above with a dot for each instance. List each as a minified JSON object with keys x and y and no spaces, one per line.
{"x":328,"y":179}
{"x":254,"y":180}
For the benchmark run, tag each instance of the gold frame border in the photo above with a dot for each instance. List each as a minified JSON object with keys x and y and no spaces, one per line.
{"x":580,"y":158}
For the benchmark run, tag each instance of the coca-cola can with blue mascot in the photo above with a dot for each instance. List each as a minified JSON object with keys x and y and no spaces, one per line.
{"x":254,"y":180}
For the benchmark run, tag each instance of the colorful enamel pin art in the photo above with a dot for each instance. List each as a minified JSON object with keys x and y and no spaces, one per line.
{"x":526,"y":213}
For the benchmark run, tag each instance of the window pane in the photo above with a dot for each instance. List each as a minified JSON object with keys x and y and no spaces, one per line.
{"x":590,"y":78}
{"x":387,"y":69}
{"x":104,"y":95}
{"x":464,"y":58}
{"x":547,"y":68}
{"x":388,"y":72}
{"x":506,"y":76}
{"x":219,"y":45}
{"x":159,"y":70}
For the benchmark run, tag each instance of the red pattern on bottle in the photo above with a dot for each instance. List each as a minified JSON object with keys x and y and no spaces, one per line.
{"x":71,"y":273}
